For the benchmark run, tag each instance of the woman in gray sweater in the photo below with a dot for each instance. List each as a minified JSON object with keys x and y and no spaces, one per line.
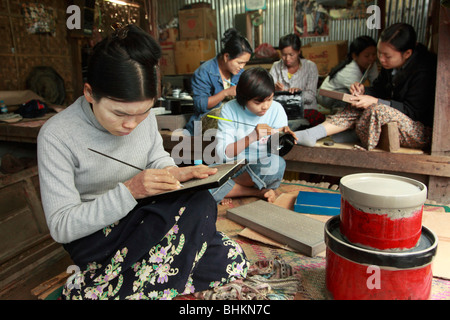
{"x":126,"y":248}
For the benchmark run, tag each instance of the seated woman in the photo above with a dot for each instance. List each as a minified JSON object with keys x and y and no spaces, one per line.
{"x":362,"y":55}
{"x":254,"y":117}
{"x":124,"y":246}
{"x":403,"y":92}
{"x":215,"y":80}
{"x":294,"y":73}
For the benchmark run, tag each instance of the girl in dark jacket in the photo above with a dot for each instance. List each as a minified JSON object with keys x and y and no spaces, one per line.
{"x":403,"y":93}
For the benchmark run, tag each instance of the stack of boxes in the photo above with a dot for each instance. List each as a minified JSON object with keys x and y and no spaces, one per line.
{"x":326,"y":54}
{"x":167,"y":40}
{"x":197,"y":33}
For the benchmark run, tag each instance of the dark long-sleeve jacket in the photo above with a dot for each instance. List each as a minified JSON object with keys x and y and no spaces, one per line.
{"x":412,"y":89}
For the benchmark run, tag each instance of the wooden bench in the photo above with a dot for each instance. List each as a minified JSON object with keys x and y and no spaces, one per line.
{"x":52,"y":288}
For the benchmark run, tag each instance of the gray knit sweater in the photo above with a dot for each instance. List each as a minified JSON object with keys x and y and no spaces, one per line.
{"x":82,"y":191}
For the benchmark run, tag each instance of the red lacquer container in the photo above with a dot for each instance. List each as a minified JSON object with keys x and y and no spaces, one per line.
{"x":357,"y":273}
{"x":381,"y":211}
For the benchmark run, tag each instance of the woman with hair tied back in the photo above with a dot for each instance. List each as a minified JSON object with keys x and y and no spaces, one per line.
{"x":127,"y":247}
{"x":403,"y":93}
{"x":294,"y":73}
{"x":361,"y":58}
{"x":215,"y":80}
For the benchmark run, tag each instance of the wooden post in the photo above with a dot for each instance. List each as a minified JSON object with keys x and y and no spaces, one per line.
{"x":249,"y":28}
{"x":438,"y":187}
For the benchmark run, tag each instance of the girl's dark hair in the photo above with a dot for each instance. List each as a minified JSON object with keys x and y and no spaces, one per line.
{"x":290,"y":40}
{"x":254,"y":83}
{"x":234,"y":44}
{"x":401,"y":36}
{"x":123,"y":66}
{"x":356,"y":47}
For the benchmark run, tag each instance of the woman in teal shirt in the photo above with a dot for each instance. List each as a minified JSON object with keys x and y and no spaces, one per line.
{"x":216,"y":79}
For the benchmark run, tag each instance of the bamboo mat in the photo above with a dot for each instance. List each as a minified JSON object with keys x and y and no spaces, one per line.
{"x":312,"y":269}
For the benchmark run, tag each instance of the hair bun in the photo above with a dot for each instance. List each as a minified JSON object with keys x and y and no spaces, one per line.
{"x":119,"y":32}
{"x":139,"y":45}
{"x":229,"y":34}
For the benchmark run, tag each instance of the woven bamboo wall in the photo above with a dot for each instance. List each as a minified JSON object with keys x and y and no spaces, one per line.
{"x":21,"y":51}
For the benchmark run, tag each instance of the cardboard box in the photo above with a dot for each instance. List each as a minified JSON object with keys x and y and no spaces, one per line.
{"x":326,"y":55}
{"x":190,"y":53}
{"x":197,"y":24}
{"x":167,"y":61}
{"x":168,"y":35}
{"x":172,"y":122}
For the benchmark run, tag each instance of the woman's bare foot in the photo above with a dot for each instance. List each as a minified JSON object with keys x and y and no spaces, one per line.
{"x":247,"y":191}
{"x":226,"y":201}
{"x":268,"y":194}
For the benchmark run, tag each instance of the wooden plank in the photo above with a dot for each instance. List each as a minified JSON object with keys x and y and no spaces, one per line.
{"x":44,"y":289}
{"x":336,"y":95}
{"x":439,"y":190}
{"x":22,"y":220}
{"x":21,"y":133}
{"x":8,"y":179}
{"x":409,"y":163}
{"x":440,"y":146}
{"x":441,"y":129}
{"x":382,"y":161}
{"x":389,"y":138}
{"x":285,"y":226}
{"x":24,"y":264}
{"x":340,"y":171}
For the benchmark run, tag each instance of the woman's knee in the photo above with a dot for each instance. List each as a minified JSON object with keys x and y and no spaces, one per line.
{"x":378,"y":110}
{"x":204,"y":200}
{"x":273,"y":166}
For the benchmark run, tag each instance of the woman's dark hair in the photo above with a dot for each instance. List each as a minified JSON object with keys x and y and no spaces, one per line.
{"x":290,"y":40}
{"x":254,"y":83}
{"x":401,"y":36}
{"x":122,"y":66}
{"x":234,"y":44}
{"x":356,"y":47}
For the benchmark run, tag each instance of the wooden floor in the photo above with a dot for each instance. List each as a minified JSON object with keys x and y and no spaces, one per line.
{"x":21,"y":288}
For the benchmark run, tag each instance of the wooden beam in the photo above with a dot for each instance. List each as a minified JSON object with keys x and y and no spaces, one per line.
{"x":437,"y":186}
{"x":382,"y":161}
{"x":434,"y":171}
{"x":441,"y":129}
{"x":151,"y":7}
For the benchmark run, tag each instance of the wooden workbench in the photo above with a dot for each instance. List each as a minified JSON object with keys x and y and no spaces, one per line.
{"x":330,"y":161}
{"x":340,"y":161}
{"x":26,"y":130}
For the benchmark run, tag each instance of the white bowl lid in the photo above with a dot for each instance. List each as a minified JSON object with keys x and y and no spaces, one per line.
{"x":383,"y":190}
